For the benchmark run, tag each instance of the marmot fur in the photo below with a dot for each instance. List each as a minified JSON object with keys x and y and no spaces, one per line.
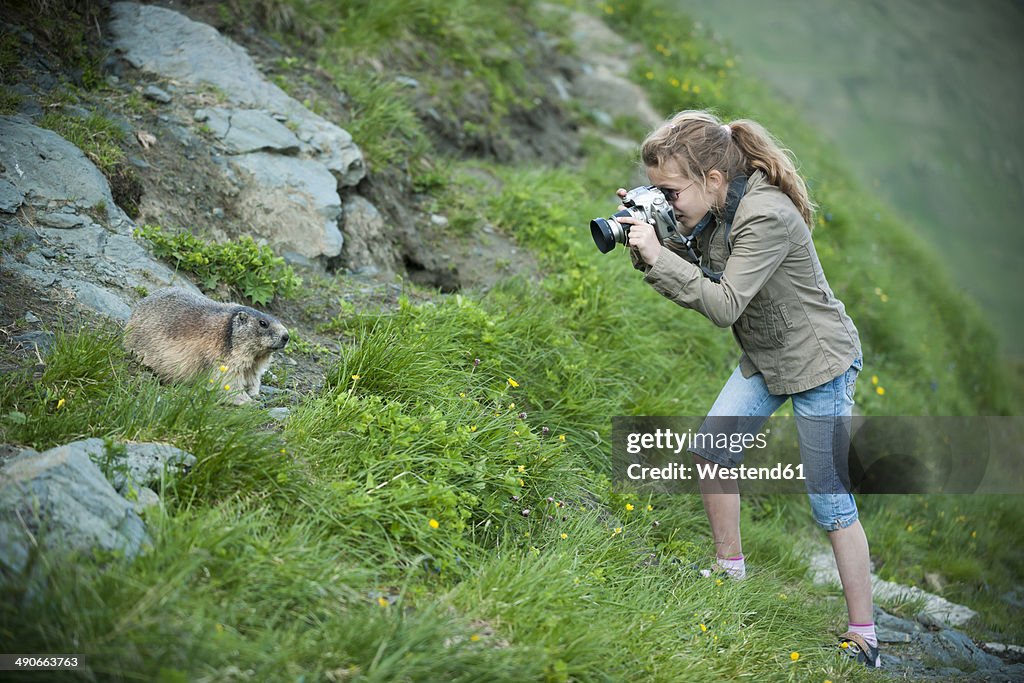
{"x":181,"y":336}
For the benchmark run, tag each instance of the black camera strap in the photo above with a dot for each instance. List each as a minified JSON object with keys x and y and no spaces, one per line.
{"x":737,"y":188}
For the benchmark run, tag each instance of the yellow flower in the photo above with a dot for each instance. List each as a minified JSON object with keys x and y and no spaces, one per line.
{"x":650,"y":507}
{"x":696,"y":90}
{"x":674,"y":82}
{"x":522,"y":483}
{"x":356,"y":378}
{"x":522,"y":468}
{"x":462,"y":394}
{"x":974,"y":534}
{"x":794,"y":656}
{"x":880,"y":391}
{"x":472,"y":428}
{"x":703,"y":628}
{"x":844,"y":645}
{"x":718,"y":582}
{"x":878,"y":291}
{"x":512,"y":383}
{"x":382,"y":601}
{"x":884,"y":298}
{"x":223,"y":368}
{"x":565,"y":536}
{"x":910,"y":527}
{"x":475,"y":637}
{"x":227,"y":387}
{"x":434,"y":524}
{"x":874,"y":379}
{"x":629,"y":507}
{"x":60,"y":404}
{"x":649,"y":75}
{"x":511,"y":406}
{"x":618,"y":530}
{"x":561,"y":437}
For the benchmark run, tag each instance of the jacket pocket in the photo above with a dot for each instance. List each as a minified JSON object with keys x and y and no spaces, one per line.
{"x":784,"y":312}
{"x":775,"y":326}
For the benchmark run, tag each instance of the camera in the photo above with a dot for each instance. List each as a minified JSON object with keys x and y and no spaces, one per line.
{"x":646,"y":203}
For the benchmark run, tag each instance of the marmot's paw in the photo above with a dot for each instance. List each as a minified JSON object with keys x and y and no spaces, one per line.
{"x":240,"y":397}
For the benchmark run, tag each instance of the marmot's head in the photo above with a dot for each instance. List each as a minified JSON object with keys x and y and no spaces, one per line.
{"x":256,"y":332}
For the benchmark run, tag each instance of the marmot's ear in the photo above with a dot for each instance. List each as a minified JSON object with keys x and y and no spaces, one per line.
{"x":242,"y":316}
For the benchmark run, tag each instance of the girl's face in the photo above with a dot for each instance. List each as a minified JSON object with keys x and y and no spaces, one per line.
{"x":690,"y":199}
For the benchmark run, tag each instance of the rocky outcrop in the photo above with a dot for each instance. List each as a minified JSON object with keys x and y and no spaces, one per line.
{"x":77,"y":240}
{"x":60,"y":501}
{"x":79,"y":497}
{"x":286,"y":162}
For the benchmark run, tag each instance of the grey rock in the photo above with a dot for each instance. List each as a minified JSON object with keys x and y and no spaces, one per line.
{"x":145,"y":498}
{"x":61,"y":500}
{"x":31,"y":318}
{"x":145,"y":465}
{"x":11,"y":197}
{"x":279,"y":414}
{"x":293,"y":203}
{"x":170,"y":44}
{"x":40,"y":340}
{"x":40,"y":278}
{"x":36,"y":260}
{"x":956,"y":649}
{"x":156,"y":94}
{"x":367,"y":246}
{"x":100,"y":299}
{"x":891,"y":629}
{"x":407,"y":81}
{"x":251,"y":130}
{"x":42,"y":165}
{"x":63,"y":220}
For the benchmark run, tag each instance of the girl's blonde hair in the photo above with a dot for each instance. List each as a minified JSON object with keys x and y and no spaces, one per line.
{"x":696,"y":142}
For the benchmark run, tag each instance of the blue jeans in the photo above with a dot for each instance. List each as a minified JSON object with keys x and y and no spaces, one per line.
{"x":823,"y":416}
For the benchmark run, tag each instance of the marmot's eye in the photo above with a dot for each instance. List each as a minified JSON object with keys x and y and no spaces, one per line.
{"x":263,"y":323}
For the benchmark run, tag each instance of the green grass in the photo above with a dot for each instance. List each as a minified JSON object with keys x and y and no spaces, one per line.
{"x":250,"y":268}
{"x":441,"y":508}
{"x":96,"y":135}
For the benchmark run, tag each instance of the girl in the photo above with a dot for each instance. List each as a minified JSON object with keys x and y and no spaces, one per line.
{"x":745,"y":259}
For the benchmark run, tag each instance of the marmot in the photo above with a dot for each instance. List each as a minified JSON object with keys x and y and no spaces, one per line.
{"x":181,"y":335}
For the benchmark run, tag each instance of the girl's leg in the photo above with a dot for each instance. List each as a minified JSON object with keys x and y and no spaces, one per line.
{"x":742,"y":406}
{"x":850,"y":546}
{"x":823,"y":417}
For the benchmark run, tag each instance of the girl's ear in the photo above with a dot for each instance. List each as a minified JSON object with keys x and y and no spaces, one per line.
{"x":716,"y":180}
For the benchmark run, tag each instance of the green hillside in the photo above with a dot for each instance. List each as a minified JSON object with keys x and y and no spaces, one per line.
{"x":438,"y":505}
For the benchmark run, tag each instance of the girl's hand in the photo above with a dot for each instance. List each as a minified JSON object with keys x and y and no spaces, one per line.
{"x":642,"y":238}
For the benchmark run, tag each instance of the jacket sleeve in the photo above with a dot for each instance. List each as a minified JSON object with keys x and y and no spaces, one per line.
{"x":673,"y":247}
{"x":760,"y":244}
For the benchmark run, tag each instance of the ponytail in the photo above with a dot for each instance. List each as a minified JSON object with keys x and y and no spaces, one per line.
{"x":764,"y":153}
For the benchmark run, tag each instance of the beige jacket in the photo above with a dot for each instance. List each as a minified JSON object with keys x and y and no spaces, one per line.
{"x":773,"y":293}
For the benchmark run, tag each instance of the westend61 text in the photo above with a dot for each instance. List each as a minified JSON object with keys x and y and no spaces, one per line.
{"x":709,"y":471}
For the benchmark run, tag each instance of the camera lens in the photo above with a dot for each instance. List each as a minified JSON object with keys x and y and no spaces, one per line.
{"x":608,"y":231}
